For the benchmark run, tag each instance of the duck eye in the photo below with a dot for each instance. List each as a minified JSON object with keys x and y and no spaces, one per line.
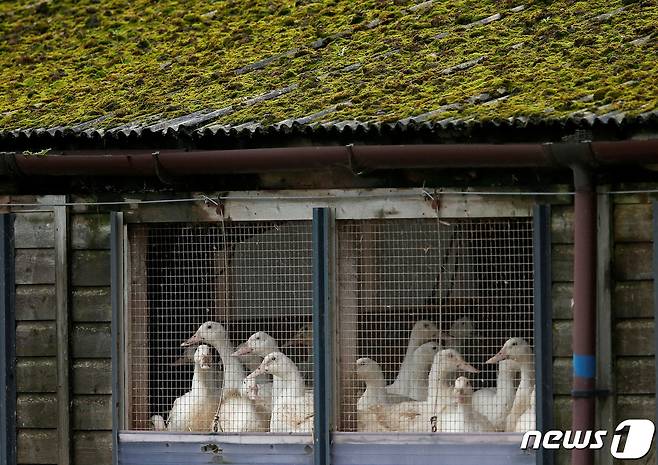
{"x":273,"y":358}
{"x":209,"y":327}
{"x":258,"y":338}
{"x":426,"y":326}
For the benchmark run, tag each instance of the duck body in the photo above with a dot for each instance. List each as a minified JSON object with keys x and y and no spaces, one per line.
{"x":292,"y":404}
{"x":496,"y":403}
{"x":405,"y":384}
{"x":519,"y":350}
{"x":194,"y":410}
{"x":235,"y":411}
{"x":462,"y":418}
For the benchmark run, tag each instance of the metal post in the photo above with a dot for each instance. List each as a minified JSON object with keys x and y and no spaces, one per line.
{"x":543,"y":322}
{"x":323,"y":379}
{"x":584,"y":317}
{"x":7,"y":342}
{"x":116,"y":270}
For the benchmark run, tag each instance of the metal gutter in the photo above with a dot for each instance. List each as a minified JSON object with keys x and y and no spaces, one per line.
{"x":354,"y":157}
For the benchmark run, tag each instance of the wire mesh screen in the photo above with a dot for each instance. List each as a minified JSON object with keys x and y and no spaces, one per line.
{"x":231,"y":294}
{"x":424,"y":305}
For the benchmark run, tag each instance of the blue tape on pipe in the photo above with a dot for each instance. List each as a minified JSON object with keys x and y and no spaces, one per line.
{"x":584,"y":366}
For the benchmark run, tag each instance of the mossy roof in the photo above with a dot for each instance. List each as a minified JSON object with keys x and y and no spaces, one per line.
{"x":215,"y":64}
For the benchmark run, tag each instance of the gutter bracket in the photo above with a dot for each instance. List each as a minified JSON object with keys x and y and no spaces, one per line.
{"x":163,"y":175}
{"x":351,"y":162}
{"x":8,"y":165}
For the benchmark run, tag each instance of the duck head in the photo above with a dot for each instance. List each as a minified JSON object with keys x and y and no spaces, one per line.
{"x":275,"y":364}
{"x":368,"y":370}
{"x":259,"y":343}
{"x":203,"y":357}
{"x":208,"y":332}
{"x":425,"y":330}
{"x":463,"y":390}
{"x":516,"y":349}
{"x":426,"y":352}
{"x":450,"y":360}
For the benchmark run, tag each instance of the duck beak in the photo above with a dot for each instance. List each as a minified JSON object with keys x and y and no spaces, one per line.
{"x":194,"y":340}
{"x":501,"y":355}
{"x":467,"y":367}
{"x":244,"y":350}
{"x":205,"y":362}
{"x":257,"y":372}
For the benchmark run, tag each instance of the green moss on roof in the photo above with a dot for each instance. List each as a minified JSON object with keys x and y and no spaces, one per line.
{"x":66,"y":62}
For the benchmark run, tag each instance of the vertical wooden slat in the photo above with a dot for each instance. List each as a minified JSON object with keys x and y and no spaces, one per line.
{"x":7,"y":343}
{"x":116,"y":272}
{"x":348,"y":316}
{"x":137,"y":353}
{"x":605,"y":411}
{"x":62,"y":329}
{"x":543,"y":325}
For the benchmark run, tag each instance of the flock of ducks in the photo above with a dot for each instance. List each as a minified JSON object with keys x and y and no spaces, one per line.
{"x":429,"y":394}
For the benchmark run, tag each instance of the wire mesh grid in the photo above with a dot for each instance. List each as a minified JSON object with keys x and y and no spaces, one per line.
{"x":423,"y":305}
{"x":234,"y":293}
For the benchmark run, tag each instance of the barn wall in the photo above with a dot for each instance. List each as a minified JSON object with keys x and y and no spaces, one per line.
{"x":90,"y":314}
{"x":632,"y":300}
{"x":91,"y":338}
{"x":36,"y":364}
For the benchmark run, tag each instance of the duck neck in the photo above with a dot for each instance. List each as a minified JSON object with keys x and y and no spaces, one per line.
{"x":234,"y":372}
{"x":375,"y":388}
{"x":505,"y":386}
{"x":291,"y":384}
{"x":527,"y":374}
{"x":438,"y":390}
{"x":202,"y":379}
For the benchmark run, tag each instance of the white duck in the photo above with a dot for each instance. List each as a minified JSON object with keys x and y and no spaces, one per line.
{"x":527,"y":421}
{"x":369,"y":371}
{"x":463,"y":418}
{"x":461,"y":333}
{"x":419,"y":368}
{"x":194,"y":410}
{"x":292,"y":404}
{"x":426,"y":416}
{"x":188,"y":359}
{"x":519,"y":350}
{"x":259,"y":345}
{"x":495,"y":403}
{"x":236,"y":413}
{"x":405,"y":384}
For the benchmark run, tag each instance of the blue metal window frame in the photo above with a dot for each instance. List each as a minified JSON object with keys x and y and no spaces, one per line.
{"x":7,"y":342}
{"x":543,"y":325}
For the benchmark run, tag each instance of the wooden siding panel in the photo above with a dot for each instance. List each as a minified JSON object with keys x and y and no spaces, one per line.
{"x":36,"y":375}
{"x":36,"y":411}
{"x":34,"y":230}
{"x":634,"y":337}
{"x":92,"y":377}
{"x":92,"y":304}
{"x":37,"y":446}
{"x":562,"y":375}
{"x":636,"y":406}
{"x":92,"y":413}
{"x":35,"y":266}
{"x":562,"y":338}
{"x":636,"y":375}
{"x":632,"y":223}
{"x":562,"y":224}
{"x":36,"y":339}
{"x":90,"y":268}
{"x":633,"y":261}
{"x":90,"y":231}
{"x":92,"y":448}
{"x":92,"y":340}
{"x":633,"y":299}
{"x":562,"y":296}
{"x":35,"y":302}
{"x":562,"y":263}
